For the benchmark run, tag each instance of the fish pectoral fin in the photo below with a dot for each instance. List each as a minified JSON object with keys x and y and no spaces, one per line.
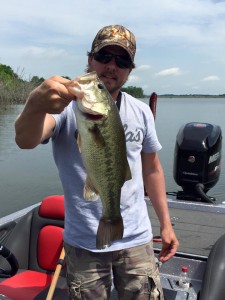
{"x":90,"y":193}
{"x":108,"y":231}
{"x":97,"y":136}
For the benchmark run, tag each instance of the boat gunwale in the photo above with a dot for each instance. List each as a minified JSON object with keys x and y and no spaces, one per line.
{"x":17,"y":215}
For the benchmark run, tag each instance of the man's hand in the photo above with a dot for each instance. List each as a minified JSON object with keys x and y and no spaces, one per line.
{"x":170,"y":244}
{"x":52,"y":96}
{"x":36,"y":124}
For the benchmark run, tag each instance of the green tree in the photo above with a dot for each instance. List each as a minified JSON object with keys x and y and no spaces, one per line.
{"x":13,"y":89}
{"x":7,"y":74}
{"x":134,"y":91}
{"x":37,"y":80}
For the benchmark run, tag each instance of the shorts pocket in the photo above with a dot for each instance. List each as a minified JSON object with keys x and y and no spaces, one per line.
{"x":154,"y":285}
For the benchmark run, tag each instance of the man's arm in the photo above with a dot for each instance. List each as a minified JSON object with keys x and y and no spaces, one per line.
{"x":35,"y":124}
{"x":32,"y":128}
{"x":154,"y":181}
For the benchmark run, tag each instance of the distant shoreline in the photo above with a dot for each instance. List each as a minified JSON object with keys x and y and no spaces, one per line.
{"x":191,"y":96}
{"x":188,"y":96}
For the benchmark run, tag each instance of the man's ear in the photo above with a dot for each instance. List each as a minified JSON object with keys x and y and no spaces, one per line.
{"x":89,"y":59}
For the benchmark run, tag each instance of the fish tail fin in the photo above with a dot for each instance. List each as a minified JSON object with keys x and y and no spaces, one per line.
{"x":109,"y":231}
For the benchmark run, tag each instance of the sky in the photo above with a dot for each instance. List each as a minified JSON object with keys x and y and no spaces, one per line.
{"x":180,"y":43}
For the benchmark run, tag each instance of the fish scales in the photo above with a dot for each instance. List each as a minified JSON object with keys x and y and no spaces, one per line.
{"x":103,"y":163}
{"x":102,"y":144}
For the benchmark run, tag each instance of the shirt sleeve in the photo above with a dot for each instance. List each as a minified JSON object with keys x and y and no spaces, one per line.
{"x":59,"y":120}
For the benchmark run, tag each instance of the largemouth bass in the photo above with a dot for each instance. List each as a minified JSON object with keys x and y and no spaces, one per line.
{"x":101,"y":141}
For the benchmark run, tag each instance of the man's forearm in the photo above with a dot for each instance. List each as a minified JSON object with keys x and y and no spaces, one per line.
{"x":155,"y":187}
{"x":29,"y":127}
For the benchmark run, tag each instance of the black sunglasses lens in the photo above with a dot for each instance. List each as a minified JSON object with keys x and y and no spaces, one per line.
{"x":122,"y":61}
{"x":102,"y":57}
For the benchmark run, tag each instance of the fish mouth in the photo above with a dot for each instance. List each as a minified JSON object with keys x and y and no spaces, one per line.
{"x":92,"y":117}
{"x":91,"y":109}
{"x":89,"y":113}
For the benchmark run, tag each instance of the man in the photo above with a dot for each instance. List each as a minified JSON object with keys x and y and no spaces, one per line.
{"x":48,"y":113}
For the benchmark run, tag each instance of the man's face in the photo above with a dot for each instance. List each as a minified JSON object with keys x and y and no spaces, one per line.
{"x":113,"y":76}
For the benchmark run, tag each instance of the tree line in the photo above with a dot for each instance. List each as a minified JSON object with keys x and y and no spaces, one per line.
{"x":134,"y":91}
{"x":14,"y":89}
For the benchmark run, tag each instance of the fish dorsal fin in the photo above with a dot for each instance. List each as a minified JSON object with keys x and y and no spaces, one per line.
{"x":90,"y":193}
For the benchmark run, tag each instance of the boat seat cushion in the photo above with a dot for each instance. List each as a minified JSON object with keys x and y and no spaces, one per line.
{"x":46,"y":242}
{"x":46,"y":238}
{"x":25,"y":285}
{"x":31,"y":284}
{"x":52,"y":207}
{"x":50,"y":237}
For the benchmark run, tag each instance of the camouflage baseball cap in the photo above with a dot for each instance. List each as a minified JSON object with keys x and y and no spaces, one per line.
{"x":115,"y":35}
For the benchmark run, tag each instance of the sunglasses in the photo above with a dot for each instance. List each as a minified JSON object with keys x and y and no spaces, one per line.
{"x":122,"y":61}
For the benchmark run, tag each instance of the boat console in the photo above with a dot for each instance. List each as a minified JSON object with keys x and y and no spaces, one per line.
{"x":170,"y":272}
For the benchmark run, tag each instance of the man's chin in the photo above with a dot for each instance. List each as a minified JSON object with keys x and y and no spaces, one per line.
{"x":109,"y":87}
{"x":107,"y":82}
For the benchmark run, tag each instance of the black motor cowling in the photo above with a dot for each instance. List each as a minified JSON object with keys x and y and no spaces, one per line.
{"x":197,"y":160}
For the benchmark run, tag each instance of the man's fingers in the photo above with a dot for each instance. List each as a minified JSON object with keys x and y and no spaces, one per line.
{"x":74,"y":88}
{"x":57,"y":85}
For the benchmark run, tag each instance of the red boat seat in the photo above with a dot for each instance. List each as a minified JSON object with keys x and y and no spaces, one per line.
{"x":42,"y":244}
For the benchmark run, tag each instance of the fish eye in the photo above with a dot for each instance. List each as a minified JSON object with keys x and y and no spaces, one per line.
{"x":100,"y":86}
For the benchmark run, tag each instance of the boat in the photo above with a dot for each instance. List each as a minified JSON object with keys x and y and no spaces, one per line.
{"x":32,"y":263}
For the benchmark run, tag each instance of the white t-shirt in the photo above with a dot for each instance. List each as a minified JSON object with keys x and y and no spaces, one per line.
{"x":81,"y":216}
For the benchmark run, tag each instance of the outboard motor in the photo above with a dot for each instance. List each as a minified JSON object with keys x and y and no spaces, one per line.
{"x":197,"y":160}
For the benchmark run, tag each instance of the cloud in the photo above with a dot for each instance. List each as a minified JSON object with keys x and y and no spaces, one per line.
{"x":45,"y":39}
{"x":211,"y":78}
{"x":133,"y":79}
{"x":143,"y":67}
{"x":42,"y":52}
{"x":168,"y":72}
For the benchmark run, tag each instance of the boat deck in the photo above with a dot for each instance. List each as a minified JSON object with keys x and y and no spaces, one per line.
{"x":197,"y":226}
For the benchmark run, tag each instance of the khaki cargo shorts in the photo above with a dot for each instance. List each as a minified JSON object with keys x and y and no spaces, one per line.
{"x":133,"y":272}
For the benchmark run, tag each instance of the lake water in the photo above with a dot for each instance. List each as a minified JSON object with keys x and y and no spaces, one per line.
{"x":26,"y":176}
